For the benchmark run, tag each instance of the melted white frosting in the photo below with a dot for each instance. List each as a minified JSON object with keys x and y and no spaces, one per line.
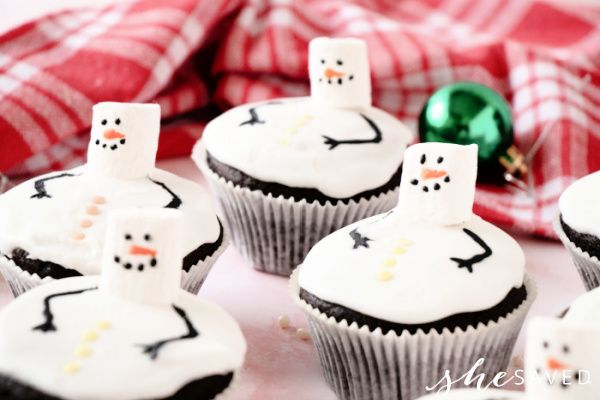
{"x":585,"y":308}
{"x":579,"y":205}
{"x":289,"y":147}
{"x":406,"y":274}
{"x":46,"y":227}
{"x":116,"y":367}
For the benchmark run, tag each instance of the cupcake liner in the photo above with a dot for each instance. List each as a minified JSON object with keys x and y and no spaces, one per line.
{"x":359,"y":364}
{"x":20,"y":281}
{"x":275,"y":233}
{"x":588,"y":266}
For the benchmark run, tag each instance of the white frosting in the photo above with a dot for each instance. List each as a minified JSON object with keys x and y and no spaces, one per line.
{"x":289,"y":147}
{"x":339,"y":72}
{"x":579,"y":205}
{"x":585,"y":308}
{"x":68,"y":227}
{"x":407,"y":267}
{"x":438,"y":184}
{"x":295,"y":142}
{"x":554,"y":346}
{"x":116,"y":368}
{"x":474,"y":394}
{"x":426,"y":285}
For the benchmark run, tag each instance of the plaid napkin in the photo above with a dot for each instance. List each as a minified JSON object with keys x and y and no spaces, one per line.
{"x":198,"y":57}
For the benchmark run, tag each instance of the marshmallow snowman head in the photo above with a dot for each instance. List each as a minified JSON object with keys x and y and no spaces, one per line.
{"x":339,"y":73}
{"x":438,"y":183}
{"x":124,"y":139}
{"x":562,"y":360}
{"x":143,"y":255}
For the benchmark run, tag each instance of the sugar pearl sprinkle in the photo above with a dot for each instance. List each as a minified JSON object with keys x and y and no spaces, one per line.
{"x":283,"y":321}
{"x":302,"y":334}
{"x":386,"y":274}
{"x":91,"y":210}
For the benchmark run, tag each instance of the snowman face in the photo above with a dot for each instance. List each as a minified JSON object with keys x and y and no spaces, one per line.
{"x":143,"y":257}
{"x":124,"y":139}
{"x":562,"y":360}
{"x":438,"y":182}
{"x":339,"y":73}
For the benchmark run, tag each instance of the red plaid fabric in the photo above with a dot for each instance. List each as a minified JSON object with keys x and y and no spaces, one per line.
{"x":192,"y":55}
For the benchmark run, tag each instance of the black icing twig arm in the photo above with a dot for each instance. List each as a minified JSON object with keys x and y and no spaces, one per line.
{"x":153,"y":349}
{"x":333,"y":143}
{"x":48,"y":324}
{"x":254,"y":117}
{"x":468,"y":263}
{"x":175,"y":200}
{"x":40,"y":185}
{"x":359,"y":240}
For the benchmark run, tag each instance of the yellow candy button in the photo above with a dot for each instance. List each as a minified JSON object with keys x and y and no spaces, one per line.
{"x":390,"y":262}
{"x":399,"y":250}
{"x":72,"y":368}
{"x":104,"y":325}
{"x":385,"y":276}
{"x":83,"y":351}
{"x":90,"y":335}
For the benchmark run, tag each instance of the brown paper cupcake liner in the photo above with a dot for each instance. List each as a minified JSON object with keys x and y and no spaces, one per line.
{"x":276,"y":233}
{"x":588,"y":266}
{"x":359,"y":364}
{"x":20,"y":281}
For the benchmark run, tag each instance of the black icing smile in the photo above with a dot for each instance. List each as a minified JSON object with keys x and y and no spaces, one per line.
{"x":111,"y":138}
{"x":137,"y":250}
{"x":436,"y":176}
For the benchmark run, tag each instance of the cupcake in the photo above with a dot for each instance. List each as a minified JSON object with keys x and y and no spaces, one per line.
{"x":578,"y":227}
{"x":561,"y":363}
{"x":397,"y":299}
{"x":288,"y":172}
{"x":53,"y":226}
{"x":128,"y":334}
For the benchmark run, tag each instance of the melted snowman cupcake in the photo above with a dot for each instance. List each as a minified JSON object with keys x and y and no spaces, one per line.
{"x":130,"y":334}
{"x":562,"y":363}
{"x":53,"y":226}
{"x":429,"y":279}
{"x":290,"y":171}
{"x":578,"y":227}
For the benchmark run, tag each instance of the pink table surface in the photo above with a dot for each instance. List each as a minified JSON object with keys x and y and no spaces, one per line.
{"x":281,"y":366}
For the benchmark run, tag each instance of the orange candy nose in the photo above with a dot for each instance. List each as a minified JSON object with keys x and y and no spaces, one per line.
{"x":112,"y":134}
{"x":432,"y":173}
{"x":332,"y":73}
{"x":554,"y":365}
{"x":136,"y":250}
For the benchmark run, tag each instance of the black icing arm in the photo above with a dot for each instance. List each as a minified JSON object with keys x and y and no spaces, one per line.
{"x":333,"y":143}
{"x":468,"y":263}
{"x":48,"y":324}
{"x":254,"y":117}
{"x":40,"y":185}
{"x":359,"y":240}
{"x":175,"y":200}
{"x":153,"y":349}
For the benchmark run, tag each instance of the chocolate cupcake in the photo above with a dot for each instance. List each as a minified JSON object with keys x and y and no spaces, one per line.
{"x":53,"y":226}
{"x":578,"y":227}
{"x":560,"y":364}
{"x":128,"y":334}
{"x":397,"y":299}
{"x":287,"y":172}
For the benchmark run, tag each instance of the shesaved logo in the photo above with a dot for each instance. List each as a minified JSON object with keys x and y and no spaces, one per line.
{"x":475,"y":379}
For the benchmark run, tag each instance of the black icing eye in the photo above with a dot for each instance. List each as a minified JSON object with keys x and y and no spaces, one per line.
{"x":447,"y":179}
{"x":104,"y":122}
{"x":322,"y":61}
{"x":127,"y":236}
{"x":545,"y":344}
{"x":566,"y":349}
{"x":440,"y":160}
{"x":423,"y":159}
{"x":118,"y":121}
{"x":147,"y":237}
{"x":339,"y":62}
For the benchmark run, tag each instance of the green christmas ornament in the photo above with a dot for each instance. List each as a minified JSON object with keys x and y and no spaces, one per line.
{"x":471,"y":113}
